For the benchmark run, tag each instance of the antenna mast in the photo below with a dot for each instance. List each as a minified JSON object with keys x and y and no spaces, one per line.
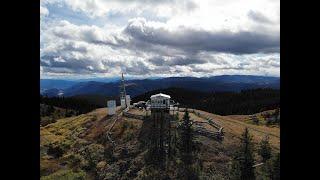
{"x":123,"y":93}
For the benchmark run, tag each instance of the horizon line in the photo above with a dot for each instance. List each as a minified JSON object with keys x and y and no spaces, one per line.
{"x":151,"y":77}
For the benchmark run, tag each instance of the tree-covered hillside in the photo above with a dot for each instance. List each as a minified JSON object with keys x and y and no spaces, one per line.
{"x":81,"y":105}
{"x":223,"y":103}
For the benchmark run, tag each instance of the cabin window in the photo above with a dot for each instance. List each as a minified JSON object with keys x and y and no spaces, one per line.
{"x":164,"y":102}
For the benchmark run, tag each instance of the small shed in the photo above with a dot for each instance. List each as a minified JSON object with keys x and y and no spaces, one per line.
{"x":111,"y":107}
{"x":160,"y":101}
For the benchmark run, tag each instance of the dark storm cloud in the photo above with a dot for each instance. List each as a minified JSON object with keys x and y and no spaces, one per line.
{"x":182,"y":61}
{"x":191,"y":40}
{"x":137,"y":68}
{"x":211,"y":70}
{"x":74,"y":65}
{"x":87,"y":34}
{"x":62,"y":70}
{"x":59,"y":64}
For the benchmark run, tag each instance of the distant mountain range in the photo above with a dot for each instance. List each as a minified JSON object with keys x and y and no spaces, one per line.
{"x":233,"y":83}
{"x":50,"y":84}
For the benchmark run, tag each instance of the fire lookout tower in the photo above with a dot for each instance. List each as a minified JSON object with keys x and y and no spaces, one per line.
{"x":161,"y":136}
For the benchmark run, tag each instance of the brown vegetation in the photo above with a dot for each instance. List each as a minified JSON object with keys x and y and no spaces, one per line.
{"x":88,"y":154}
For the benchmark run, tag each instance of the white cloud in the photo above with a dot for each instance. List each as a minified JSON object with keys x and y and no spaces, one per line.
{"x":161,"y":38}
{"x":99,"y":8}
{"x":44,"y":11}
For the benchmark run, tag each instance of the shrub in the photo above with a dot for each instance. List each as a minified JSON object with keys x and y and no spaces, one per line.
{"x":65,"y":175}
{"x":265,"y":149}
{"x":129,"y":136}
{"x":54,"y":151}
{"x":93,"y":153}
{"x":46,"y":120}
{"x":76,"y":161}
{"x":243,"y":160}
{"x":108,"y":153}
{"x":66,"y":144}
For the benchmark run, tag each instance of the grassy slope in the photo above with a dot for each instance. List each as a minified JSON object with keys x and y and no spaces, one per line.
{"x":77,"y":133}
{"x":246,"y":118}
{"x":235,"y":128}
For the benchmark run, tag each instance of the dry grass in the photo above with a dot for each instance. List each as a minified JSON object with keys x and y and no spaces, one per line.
{"x":75,"y":133}
{"x":235,"y":128}
{"x":86,"y":129}
{"x":137,"y":111}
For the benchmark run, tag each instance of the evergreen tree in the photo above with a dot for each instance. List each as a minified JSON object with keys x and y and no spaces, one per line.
{"x":271,"y":168}
{"x":186,"y":147}
{"x":243,"y":161}
{"x":50,"y":110}
{"x":276,"y":167}
{"x":235,"y":172}
{"x":185,"y":139}
{"x":265,"y":149}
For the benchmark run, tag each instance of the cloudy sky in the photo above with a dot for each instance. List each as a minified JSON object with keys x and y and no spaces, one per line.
{"x":159,"y":38}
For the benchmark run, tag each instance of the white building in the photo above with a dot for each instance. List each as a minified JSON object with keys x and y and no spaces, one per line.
{"x":123,"y":103}
{"x":111,"y":107}
{"x":128,"y":100}
{"x":159,"y":101}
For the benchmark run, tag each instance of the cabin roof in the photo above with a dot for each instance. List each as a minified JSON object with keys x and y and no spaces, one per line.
{"x":160,"y":95}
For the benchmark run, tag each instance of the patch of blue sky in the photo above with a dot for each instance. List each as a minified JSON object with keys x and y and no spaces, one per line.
{"x":62,"y":12}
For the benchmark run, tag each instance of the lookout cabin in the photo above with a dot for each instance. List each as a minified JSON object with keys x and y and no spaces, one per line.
{"x":160,"y":101}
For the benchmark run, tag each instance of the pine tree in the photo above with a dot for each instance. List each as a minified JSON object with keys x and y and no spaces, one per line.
{"x":265,"y":149}
{"x":271,"y":168}
{"x":276,"y":167}
{"x":50,"y":110}
{"x":235,"y":172}
{"x":186,"y":147}
{"x":185,"y":139}
{"x":243,"y":161}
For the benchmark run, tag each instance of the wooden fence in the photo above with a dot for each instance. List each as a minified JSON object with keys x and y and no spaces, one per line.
{"x":216,"y":135}
{"x":134,"y":116}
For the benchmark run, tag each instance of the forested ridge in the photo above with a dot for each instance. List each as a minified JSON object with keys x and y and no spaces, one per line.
{"x":75,"y":103}
{"x":222,"y":103}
